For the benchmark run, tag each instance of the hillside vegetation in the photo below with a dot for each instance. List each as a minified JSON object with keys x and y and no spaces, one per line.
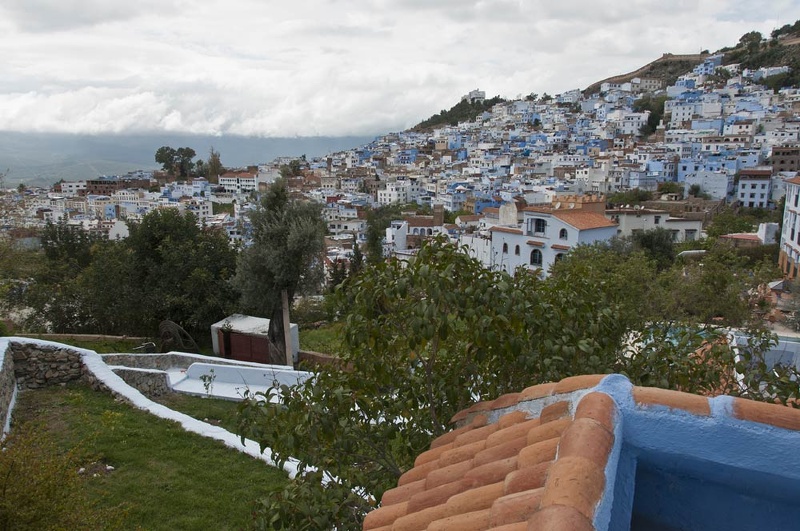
{"x":462,"y":111}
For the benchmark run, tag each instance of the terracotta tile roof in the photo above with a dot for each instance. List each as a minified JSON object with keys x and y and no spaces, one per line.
{"x":538,"y":459}
{"x":583,"y":220}
{"x":535,"y":243}
{"x":509,"y":230}
{"x":560,"y":247}
{"x":742,"y":236}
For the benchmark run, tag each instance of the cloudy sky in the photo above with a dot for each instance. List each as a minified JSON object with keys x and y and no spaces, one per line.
{"x":327,"y":67}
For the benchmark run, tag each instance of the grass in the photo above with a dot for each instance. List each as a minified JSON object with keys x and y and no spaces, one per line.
{"x":101,"y":346}
{"x":164,"y":477}
{"x":326,"y":339}
{"x":214,"y":411}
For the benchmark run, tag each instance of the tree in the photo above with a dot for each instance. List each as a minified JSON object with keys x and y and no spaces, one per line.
{"x":728,"y":221}
{"x":655,"y":105}
{"x":286,"y":256}
{"x":166,"y":156}
{"x":168,"y":268}
{"x":751,"y":41}
{"x":658,"y":245}
{"x":357,"y":262}
{"x":670,"y":187}
{"x":214,"y":167}
{"x":176,"y":161}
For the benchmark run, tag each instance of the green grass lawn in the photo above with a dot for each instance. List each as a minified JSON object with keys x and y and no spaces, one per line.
{"x":163,"y":476}
{"x":326,"y":339}
{"x":212,"y":410}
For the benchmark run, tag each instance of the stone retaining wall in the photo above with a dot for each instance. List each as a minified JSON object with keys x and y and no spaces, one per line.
{"x":38,"y":366}
{"x":150,"y":382}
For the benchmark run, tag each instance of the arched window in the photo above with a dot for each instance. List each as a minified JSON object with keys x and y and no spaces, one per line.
{"x":563,"y":234}
{"x":416,"y":231}
{"x":505,"y":248}
{"x":536,"y":257}
{"x":516,"y":250}
{"x":430,"y":232}
{"x":559,"y":256}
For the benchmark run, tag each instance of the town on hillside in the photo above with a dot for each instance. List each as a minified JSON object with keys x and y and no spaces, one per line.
{"x":519,"y":185}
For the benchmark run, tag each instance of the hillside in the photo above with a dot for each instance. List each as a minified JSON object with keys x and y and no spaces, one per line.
{"x":462,"y":111}
{"x":752,"y":51}
{"x":667,"y":68}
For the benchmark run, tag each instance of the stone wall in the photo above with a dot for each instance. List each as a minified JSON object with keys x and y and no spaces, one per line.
{"x":37,"y":365}
{"x":149,"y":382}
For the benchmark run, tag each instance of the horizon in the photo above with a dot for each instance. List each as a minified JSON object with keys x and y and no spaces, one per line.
{"x":327,"y":69}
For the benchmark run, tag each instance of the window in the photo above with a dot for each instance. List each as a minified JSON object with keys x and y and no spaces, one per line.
{"x":559,"y":256}
{"x":563,"y":234}
{"x":516,"y":250}
{"x":536,"y":257}
{"x":656,"y":220}
{"x":763,"y":186}
{"x":752,"y":196}
{"x":539,"y":225}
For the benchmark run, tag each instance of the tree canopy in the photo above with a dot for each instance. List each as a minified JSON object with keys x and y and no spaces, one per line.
{"x":168,"y":268}
{"x":176,"y":161}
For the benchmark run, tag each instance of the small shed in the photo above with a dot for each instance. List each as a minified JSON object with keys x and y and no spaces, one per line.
{"x":247,"y":339}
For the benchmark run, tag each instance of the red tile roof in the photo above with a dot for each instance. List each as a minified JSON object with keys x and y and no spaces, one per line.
{"x":507,"y":469}
{"x":509,"y":230}
{"x":583,"y":220}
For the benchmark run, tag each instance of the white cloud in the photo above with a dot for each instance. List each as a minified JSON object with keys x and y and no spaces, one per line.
{"x":336,"y":67}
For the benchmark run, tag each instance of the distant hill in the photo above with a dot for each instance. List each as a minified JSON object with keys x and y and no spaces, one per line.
{"x":752,"y":51}
{"x":667,"y":68}
{"x":462,"y":111}
{"x":43,"y":159}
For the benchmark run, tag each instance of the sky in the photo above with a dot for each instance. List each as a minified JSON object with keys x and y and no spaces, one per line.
{"x":327,"y":67}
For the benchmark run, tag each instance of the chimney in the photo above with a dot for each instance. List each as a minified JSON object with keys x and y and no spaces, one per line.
{"x":438,"y":215}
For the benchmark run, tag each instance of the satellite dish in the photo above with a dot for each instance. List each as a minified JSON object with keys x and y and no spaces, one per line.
{"x":572,"y":205}
{"x":557,"y":205}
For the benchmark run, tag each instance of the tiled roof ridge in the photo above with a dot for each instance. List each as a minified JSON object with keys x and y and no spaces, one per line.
{"x":537,"y":459}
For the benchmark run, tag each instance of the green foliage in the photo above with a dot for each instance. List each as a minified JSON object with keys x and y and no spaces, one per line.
{"x":176,"y":161}
{"x":168,"y":268}
{"x":293,"y":169}
{"x":462,"y":111}
{"x":41,"y":487}
{"x":696,"y":190}
{"x":629,"y":197}
{"x":286,"y":255}
{"x":670,"y":187}
{"x":732,"y":221}
{"x":214,"y":167}
{"x":308,"y":504}
{"x":657,"y":244}
{"x":656,"y":107}
{"x":786,"y":29}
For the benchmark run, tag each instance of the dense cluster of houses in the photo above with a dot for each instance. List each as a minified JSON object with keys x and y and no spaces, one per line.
{"x":530,"y":178}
